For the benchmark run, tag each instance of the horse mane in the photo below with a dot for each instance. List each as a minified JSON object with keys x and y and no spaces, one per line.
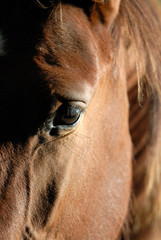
{"x":142,"y":26}
{"x":143,"y":23}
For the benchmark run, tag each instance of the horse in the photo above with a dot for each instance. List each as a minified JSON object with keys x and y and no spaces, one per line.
{"x":80,"y":120}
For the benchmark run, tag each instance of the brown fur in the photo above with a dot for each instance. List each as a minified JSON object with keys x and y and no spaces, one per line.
{"x":70,"y":186}
{"x":143,"y":26}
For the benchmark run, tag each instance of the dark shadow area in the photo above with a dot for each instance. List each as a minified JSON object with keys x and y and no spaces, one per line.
{"x":24,"y":97}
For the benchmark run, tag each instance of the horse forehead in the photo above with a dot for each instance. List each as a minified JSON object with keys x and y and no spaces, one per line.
{"x":69,"y":53}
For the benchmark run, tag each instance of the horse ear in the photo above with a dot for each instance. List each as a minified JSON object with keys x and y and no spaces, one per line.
{"x":105,"y":10}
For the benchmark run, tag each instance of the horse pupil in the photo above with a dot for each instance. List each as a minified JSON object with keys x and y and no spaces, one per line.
{"x":66,"y":115}
{"x":71,"y":112}
{"x":70,"y":115}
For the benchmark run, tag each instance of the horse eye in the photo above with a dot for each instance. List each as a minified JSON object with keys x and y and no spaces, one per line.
{"x":67,"y":115}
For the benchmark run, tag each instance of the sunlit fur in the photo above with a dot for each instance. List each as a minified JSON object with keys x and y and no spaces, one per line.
{"x":142,"y":23}
{"x":140,"y":26}
{"x":137,"y":24}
